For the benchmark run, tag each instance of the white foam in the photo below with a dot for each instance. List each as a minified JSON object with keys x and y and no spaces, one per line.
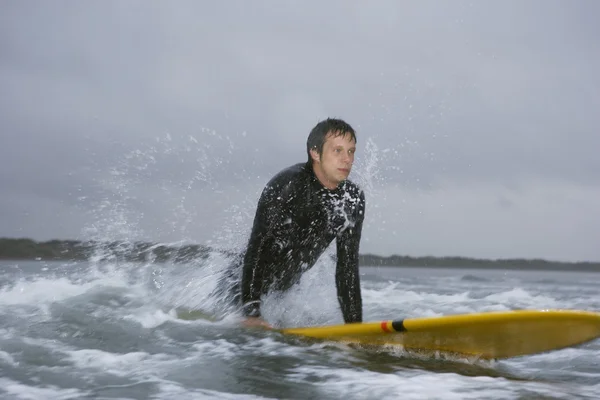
{"x":563,"y":356}
{"x":41,"y":290}
{"x":50,"y":344}
{"x":219,"y":348}
{"x":116,"y":364}
{"x":562,"y":362}
{"x":520,"y":298}
{"x":414,"y":385}
{"x":222,"y":349}
{"x":591,"y":392}
{"x":412,"y":303}
{"x":7,"y":358}
{"x":44,"y":290}
{"x":20,"y":391}
{"x":395,"y":294}
{"x":150,"y":318}
{"x":170,"y":390}
{"x":395,"y":298}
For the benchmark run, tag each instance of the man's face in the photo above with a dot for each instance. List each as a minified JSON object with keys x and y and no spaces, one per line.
{"x":334,"y":164}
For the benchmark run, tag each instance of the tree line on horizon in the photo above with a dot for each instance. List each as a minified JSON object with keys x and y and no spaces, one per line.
{"x":75,"y":250}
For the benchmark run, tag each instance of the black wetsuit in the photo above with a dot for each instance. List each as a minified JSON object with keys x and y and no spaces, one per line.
{"x":297,"y":218}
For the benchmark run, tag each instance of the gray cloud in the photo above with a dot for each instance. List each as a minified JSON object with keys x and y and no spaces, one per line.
{"x":471,"y":116}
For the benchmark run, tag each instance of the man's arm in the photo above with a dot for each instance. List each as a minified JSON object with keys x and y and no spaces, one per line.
{"x":255,"y":274}
{"x":347,"y":276}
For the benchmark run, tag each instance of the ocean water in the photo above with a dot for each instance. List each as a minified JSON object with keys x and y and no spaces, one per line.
{"x":109,"y":331}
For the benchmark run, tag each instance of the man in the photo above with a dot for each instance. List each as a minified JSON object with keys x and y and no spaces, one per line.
{"x":301,"y":211}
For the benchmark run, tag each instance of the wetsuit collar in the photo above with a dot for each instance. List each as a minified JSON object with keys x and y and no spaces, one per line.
{"x":309,"y":169}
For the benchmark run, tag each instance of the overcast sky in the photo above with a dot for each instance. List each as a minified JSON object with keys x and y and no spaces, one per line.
{"x":477,"y":122}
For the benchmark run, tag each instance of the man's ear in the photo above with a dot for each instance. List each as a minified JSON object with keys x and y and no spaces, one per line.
{"x":315,"y":155}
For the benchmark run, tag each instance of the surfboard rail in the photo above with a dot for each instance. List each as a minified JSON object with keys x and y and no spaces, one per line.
{"x":492,"y":334}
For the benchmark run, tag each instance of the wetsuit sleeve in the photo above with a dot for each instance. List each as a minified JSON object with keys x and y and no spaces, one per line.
{"x":256,"y":275}
{"x":347,"y":276}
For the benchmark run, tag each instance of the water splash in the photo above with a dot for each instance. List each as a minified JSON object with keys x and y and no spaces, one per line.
{"x":367,"y":169}
{"x":157,"y":191}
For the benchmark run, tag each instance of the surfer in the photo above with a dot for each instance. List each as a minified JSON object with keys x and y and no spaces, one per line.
{"x":301,"y":210}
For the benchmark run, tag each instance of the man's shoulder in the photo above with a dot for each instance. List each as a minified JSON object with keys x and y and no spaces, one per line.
{"x":286,"y":180}
{"x":288,"y":175}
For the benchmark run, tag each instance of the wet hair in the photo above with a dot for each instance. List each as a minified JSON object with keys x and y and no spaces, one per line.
{"x":316,"y":138}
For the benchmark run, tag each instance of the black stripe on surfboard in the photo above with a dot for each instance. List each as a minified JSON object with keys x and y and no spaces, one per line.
{"x":398,"y":325}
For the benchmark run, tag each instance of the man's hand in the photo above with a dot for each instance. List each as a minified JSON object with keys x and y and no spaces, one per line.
{"x":256,"y":322}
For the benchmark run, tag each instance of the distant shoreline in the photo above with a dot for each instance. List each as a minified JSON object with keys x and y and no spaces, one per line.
{"x":73,"y":250}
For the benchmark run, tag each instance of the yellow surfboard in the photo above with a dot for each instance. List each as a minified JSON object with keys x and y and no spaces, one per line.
{"x":487,"y":335}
